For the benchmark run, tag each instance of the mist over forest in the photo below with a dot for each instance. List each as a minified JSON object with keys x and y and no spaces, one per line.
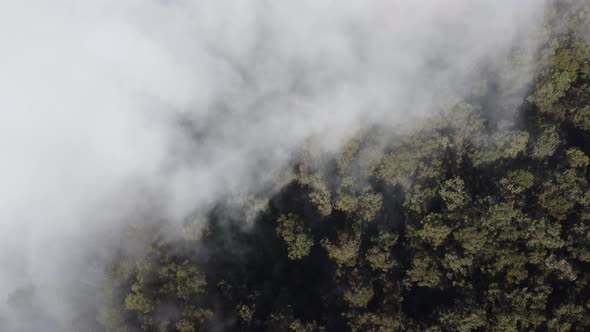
{"x":313,"y":165}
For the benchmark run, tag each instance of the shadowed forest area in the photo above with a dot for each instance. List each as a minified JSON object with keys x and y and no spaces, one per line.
{"x":477,"y":220}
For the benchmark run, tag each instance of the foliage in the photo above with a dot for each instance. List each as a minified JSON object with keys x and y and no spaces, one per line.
{"x":297,"y":237}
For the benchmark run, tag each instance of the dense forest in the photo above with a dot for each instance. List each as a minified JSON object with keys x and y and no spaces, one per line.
{"x":476,"y":220}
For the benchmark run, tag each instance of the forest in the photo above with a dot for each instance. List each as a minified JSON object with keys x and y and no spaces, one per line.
{"x":476,"y":220}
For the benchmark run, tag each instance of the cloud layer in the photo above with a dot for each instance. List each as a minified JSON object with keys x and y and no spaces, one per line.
{"x":109,"y":107}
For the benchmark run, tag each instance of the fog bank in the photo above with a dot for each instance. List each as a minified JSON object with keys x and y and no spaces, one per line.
{"x":115,"y":109}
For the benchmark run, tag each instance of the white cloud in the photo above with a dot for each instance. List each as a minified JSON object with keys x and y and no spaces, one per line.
{"x":92,"y":93}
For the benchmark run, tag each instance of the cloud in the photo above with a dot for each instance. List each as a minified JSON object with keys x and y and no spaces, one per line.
{"x":111,"y":110}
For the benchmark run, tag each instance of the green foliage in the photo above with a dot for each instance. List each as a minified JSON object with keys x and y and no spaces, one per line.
{"x":184,"y":280}
{"x":453,"y":194}
{"x":369,"y":205}
{"x":518,"y":181}
{"x":566,"y":64}
{"x":564,"y":269}
{"x":359,"y":296}
{"x":581,"y":118}
{"x":502,"y":145}
{"x":561,"y":193}
{"x":375,"y":322}
{"x":546,"y":144}
{"x":432,"y":230}
{"x":298,"y":326}
{"x":296,"y":236}
{"x":424,"y":273}
{"x":379,"y":255}
{"x":185,"y":326}
{"x":246,"y":312}
{"x":469,"y":319}
{"x":576,"y":158}
{"x":345,"y":251}
{"x":138,"y":303}
{"x":549,"y":92}
{"x":398,"y":168}
{"x":578,"y":241}
{"x":319,"y":194}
